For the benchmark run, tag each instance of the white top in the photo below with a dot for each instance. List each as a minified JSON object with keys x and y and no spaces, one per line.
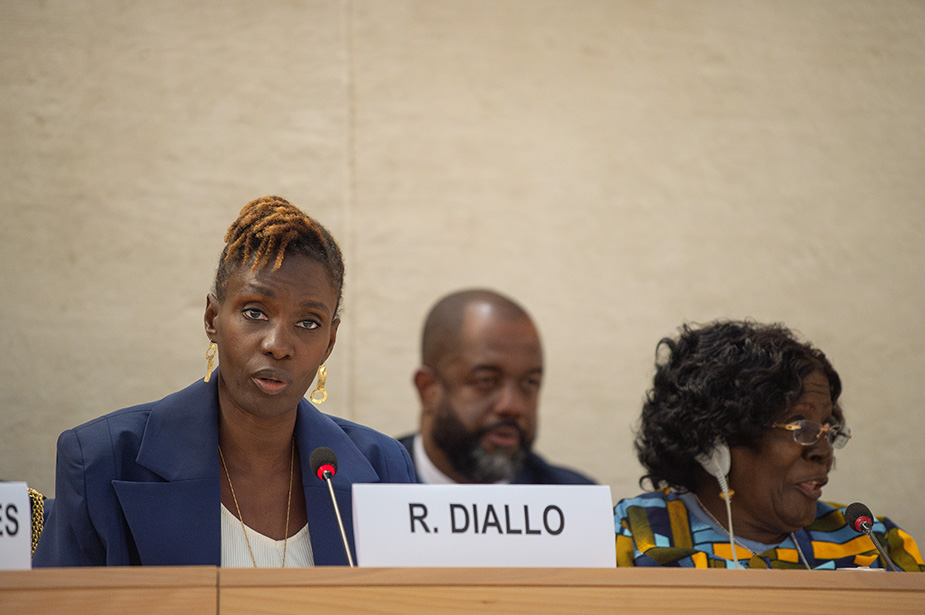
{"x":267,"y":552}
{"x":428,"y":473}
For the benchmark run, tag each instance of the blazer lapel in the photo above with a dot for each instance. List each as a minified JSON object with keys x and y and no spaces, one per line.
{"x":177,"y":521}
{"x":173,"y":524}
{"x":315,"y":429}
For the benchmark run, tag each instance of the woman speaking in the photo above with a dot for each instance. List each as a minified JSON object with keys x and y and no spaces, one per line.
{"x":219,"y":473}
{"x":738,"y":436}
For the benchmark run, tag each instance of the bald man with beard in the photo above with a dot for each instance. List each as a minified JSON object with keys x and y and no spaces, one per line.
{"x":479,"y":384}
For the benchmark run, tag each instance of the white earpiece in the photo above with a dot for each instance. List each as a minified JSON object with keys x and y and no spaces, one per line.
{"x":717,"y":462}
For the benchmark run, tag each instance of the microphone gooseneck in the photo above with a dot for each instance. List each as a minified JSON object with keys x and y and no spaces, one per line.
{"x":861,"y":520}
{"x":323,"y":463}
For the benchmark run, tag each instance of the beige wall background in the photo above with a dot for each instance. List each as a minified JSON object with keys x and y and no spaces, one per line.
{"x":619,"y":167}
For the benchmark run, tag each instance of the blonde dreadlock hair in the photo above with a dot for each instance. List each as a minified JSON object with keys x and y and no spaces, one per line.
{"x":268,"y":229}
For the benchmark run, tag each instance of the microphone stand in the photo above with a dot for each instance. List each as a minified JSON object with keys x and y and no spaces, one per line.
{"x":343,"y":534}
{"x":865,"y":526}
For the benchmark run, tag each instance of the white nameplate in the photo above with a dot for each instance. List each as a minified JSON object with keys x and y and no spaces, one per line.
{"x":556,"y":526}
{"x":15,"y":527}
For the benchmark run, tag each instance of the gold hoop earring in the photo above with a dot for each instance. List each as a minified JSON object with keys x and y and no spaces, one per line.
{"x":210,"y":355}
{"x":319,"y":390}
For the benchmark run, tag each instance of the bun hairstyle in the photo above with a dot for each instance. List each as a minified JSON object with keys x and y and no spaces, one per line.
{"x":268,"y":229}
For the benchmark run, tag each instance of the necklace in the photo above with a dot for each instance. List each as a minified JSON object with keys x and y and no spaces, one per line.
{"x":238,"y":508}
{"x":803,"y":559}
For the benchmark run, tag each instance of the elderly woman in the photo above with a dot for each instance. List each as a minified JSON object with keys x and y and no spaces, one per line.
{"x":220,"y":472}
{"x":738,"y":435}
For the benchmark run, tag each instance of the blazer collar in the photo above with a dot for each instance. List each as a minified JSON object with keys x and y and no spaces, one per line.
{"x":314,"y":429}
{"x":181,"y":438}
{"x":178,"y":522}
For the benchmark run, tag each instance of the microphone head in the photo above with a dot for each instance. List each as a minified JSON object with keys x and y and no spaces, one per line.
{"x":323,"y":460}
{"x":857,"y":515}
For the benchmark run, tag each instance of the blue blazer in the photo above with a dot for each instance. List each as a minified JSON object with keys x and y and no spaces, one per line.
{"x":140,"y":486}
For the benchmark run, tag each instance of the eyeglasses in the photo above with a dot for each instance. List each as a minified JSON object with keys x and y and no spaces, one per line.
{"x":808,"y":433}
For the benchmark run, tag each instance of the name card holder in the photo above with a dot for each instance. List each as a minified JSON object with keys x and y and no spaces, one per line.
{"x":557,"y":526}
{"x":15,"y":527}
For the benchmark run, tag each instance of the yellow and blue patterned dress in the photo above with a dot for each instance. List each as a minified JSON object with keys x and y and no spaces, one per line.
{"x":657,"y":529}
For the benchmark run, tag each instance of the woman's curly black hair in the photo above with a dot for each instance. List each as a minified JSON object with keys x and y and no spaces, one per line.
{"x":724,"y":380}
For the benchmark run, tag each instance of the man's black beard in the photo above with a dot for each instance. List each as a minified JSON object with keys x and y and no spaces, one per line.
{"x":465,"y":453}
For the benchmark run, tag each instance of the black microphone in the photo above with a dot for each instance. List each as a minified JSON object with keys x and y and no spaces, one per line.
{"x":323,"y":462}
{"x":861,"y":520}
